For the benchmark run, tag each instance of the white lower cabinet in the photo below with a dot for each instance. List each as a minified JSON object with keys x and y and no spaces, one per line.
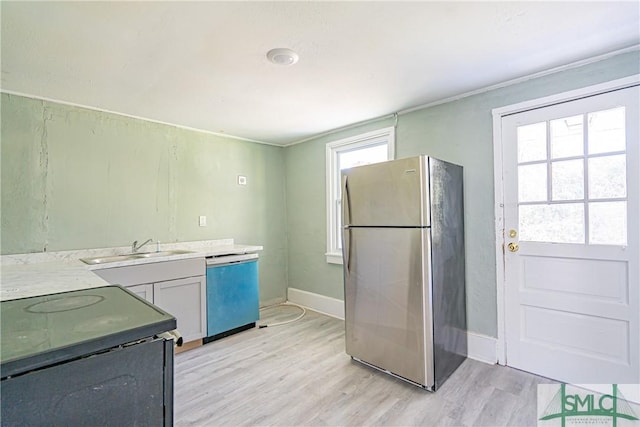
{"x":144,"y":291}
{"x":178,"y":287}
{"x":186,"y":300}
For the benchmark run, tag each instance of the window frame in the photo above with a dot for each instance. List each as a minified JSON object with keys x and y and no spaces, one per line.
{"x":333,"y":149}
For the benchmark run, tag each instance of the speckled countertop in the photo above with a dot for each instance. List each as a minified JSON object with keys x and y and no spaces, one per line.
{"x":25,"y":275}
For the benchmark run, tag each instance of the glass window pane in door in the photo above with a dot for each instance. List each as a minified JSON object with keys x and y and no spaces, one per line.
{"x":608,"y":177}
{"x":567,"y":180}
{"x":606,"y":131}
{"x":566,"y":136}
{"x":532,"y":183}
{"x":532,"y":142}
{"x":558,"y":223}
{"x":608,"y":223}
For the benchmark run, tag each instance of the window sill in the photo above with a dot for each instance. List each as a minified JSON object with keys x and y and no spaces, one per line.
{"x":334,"y":258}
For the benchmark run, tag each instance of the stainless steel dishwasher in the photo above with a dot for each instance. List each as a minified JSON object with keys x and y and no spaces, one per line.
{"x":232,"y":294}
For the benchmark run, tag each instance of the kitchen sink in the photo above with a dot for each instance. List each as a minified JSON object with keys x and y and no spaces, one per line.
{"x":106,"y":259}
{"x":161,"y":253}
{"x":127,"y":257}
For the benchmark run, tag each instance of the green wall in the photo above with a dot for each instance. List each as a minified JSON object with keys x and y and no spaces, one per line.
{"x":460,"y":132}
{"x":75,"y":178}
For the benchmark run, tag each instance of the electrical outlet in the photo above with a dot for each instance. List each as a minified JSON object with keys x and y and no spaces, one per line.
{"x":203,"y":221}
{"x":242,"y":180}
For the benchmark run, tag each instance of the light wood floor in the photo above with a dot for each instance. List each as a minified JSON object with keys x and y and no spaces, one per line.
{"x":299,"y":375}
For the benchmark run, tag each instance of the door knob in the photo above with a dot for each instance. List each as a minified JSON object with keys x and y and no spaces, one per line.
{"x":513,"y":247}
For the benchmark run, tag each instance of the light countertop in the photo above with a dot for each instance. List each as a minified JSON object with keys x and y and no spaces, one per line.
{"x":25,"y":275}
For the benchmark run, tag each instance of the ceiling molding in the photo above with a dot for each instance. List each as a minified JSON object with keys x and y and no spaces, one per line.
{"x":350,"y":126}
{"x":131,"y":116}
{"x":501,"y":85}
{"x":203,"y":67}
{"x":528,"y":77}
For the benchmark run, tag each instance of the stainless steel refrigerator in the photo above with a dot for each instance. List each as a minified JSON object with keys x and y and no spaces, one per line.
{"x":404,"y":268}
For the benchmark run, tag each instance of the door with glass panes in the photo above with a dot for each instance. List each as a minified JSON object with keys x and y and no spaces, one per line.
{"x":571,"y":195}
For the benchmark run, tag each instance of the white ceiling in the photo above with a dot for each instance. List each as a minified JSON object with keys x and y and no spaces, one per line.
{"x":203,"y":64}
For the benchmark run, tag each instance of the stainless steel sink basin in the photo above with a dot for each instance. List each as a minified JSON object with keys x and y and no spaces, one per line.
{"x":106,"y":259}
{"x":161,"y":253}
{"x":126,"y":257}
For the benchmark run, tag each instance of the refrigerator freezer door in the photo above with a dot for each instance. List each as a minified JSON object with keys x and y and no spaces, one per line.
{"x":390,"y":194}
{"x":387,"y":300}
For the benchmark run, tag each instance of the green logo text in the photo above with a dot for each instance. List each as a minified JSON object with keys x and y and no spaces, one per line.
{"x":564,"y":405}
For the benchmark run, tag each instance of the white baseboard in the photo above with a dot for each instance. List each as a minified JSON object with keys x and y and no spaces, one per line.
{"x":480,"y":347}
{"x":326,"y":305}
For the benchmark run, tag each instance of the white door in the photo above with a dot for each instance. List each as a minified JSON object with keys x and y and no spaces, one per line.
{"x":571,"y":237}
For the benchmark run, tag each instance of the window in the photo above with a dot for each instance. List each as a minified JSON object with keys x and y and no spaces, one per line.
{"x":572,"y":179}
{"x":371,"y":147}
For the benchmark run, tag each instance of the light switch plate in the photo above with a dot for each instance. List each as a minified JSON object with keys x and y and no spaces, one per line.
{"x":242,"y":180}
{"x":202,"y":221}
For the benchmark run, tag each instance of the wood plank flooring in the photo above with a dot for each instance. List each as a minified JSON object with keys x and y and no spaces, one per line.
{"x":299,"y":375}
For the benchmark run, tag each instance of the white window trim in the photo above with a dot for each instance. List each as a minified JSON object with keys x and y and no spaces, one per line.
{"x":333,"y":254}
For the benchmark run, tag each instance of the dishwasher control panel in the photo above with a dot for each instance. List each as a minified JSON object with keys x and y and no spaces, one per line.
{"x":228,"y":259}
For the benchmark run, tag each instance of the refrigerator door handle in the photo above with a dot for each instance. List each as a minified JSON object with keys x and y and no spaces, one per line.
{"x":346,"y":244}
{"x":346,"y":202}
{"x":346,"y":220}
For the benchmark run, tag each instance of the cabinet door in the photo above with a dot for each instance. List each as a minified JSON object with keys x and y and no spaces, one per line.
{"x":145,"y":291}
{"x":185,"y":299}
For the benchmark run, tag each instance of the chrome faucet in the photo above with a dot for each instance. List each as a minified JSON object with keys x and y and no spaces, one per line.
{"x":135,"y":248}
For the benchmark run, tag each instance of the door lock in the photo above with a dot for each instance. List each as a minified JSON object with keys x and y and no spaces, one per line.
{"x":513,"y":247}
{"x":513,"y":233}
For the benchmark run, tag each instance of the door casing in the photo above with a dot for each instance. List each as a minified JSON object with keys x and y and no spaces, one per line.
{"x":498,"y":114}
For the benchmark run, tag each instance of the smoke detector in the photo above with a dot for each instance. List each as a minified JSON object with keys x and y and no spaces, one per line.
{"x":282,"y":56}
